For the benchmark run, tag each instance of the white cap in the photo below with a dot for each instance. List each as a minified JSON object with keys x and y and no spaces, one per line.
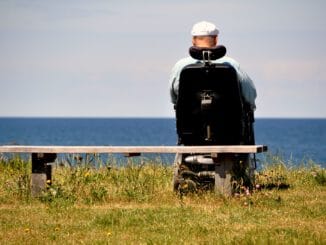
{"x":204,"y":28}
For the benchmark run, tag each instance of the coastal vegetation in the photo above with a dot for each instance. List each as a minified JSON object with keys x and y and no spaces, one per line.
{"x":96,"y":202}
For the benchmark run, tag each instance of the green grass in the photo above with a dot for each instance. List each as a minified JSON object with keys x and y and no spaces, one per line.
{"x":135,"y":204}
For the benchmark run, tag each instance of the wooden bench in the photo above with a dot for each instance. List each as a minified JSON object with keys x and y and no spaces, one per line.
{"x":42,"y":155}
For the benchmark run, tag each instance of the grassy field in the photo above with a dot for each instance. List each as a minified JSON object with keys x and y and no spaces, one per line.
{"x":135,"y":204}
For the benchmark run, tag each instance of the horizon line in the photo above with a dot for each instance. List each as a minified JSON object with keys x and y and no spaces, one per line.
{"x":135,"y":117}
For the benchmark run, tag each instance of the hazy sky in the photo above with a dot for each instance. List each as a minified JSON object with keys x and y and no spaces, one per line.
{"x":113,"y":58}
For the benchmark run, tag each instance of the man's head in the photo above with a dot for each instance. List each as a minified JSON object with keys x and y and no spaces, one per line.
{"x":204,"y":35}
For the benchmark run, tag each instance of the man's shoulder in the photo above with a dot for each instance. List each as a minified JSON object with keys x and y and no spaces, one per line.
{"x":185,"y":61}
{"x":227,"y":60}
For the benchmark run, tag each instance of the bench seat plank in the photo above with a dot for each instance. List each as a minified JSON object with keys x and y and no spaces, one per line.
{"x":133,"y":149}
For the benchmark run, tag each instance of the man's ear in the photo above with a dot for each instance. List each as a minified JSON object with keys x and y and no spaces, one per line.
{"x":216,"y":40}
{"x":194,"y":41}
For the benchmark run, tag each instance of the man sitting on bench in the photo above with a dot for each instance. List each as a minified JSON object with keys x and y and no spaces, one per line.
{"x":205,"y":35}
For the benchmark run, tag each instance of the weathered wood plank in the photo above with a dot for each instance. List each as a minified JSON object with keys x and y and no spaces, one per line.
{"x":223,"y":177}
{"x":133,"y":149}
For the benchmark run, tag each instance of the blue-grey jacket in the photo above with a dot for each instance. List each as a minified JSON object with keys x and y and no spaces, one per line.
{"x":247,"y":86}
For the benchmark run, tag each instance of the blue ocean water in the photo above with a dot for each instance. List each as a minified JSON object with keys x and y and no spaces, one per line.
{"x":293,"y":139}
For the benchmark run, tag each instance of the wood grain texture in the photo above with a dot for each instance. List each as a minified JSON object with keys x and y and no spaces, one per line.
{"x":133,"y":149}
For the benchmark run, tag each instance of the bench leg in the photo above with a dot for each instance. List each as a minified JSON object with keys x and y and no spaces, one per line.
{"x":41,"y":172}
{"x":223,"y":176}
